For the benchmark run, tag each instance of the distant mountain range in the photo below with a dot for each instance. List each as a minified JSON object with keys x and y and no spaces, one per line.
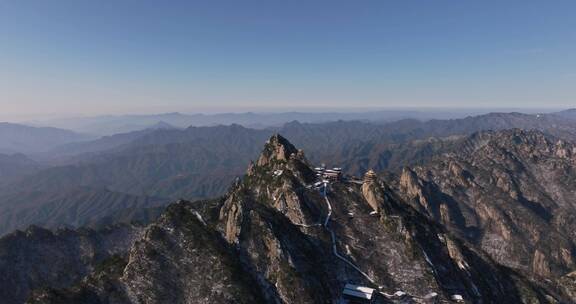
{"x":15,"y":138}
{"x":109,"y":125}
{"x":201,"y":162}
{"x":570,"y":114}
{"x":69,"y":206}
{"x":163,"y":163}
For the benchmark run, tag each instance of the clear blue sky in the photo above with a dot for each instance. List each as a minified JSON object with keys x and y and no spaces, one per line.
{"x":92,"y":57}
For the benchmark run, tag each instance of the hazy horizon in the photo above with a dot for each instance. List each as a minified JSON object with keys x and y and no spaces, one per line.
{"x":39,"y":118}
{"x":73,"y":58}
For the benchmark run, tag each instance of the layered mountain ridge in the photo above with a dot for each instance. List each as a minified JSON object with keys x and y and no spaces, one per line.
{"x":509,"y":192}
{"x":279,"y":237}
{"x":71,"y":207}
{"x":200,"y":162}
{"x":17,"y":138}
{"x":14,"y":166}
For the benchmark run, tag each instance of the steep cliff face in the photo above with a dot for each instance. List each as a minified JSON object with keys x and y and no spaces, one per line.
{"x":179,"y":259}
{"x":277,"y":149}
{"x":39,"y":258}
{"x":182,"y":260}
{"x":372,"y":191}
{"x":509,"y":192}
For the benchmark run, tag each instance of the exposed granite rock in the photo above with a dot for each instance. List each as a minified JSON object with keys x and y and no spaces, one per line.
{"x":231,"y":217}
{"x":38,"y":258}
{"x":277,"y":149}
{"x":181,"y":260}
{"x":540,"y":264}
{"x":568,"y":284}
{"x":510,"y":192}
{"x":372,"y":191}
{"x":413,"y":188}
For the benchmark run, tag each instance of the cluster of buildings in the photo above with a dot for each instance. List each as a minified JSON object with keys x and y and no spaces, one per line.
{"x":332,"y":175}
{"x":370,"y":176}
{"x":354,"y":294}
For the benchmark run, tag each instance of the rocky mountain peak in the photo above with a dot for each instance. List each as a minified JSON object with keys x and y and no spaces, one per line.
{"x":275,"y":180}
{"x":278,"y":149}
{"x":279,"y":161}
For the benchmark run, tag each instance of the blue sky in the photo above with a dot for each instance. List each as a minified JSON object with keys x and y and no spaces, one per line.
{"x":129,"y":56}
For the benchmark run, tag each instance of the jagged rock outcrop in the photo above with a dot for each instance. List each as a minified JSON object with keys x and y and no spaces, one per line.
{"x":38,"y":258}
{"x":196,"y":266}
{"x":279,"y":178}
{"x":413,"y":188}
{"x":249,"y":247}
{"x":509,"y":192}
{"x":372,"y":191}
{"x":180,"y":259}
{"x":231,"y":215}
{"x":277,"y":149}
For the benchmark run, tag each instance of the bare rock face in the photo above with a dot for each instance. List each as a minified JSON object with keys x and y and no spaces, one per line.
{"x":413,"y":188}
{"x":231,"y":216}
{"x":455,"y":253}
{"x":568,"y":283}
{"x":410,"y":184}
{"x":540,"y":265}
{"x":277,"y":149}
{"x":373,"y":193}
{"x":288,"y":202}
{"x":39,"y":258}
{"x":510,"y":192}
{"x":277,"y":180}
{"x":181,"y":260}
